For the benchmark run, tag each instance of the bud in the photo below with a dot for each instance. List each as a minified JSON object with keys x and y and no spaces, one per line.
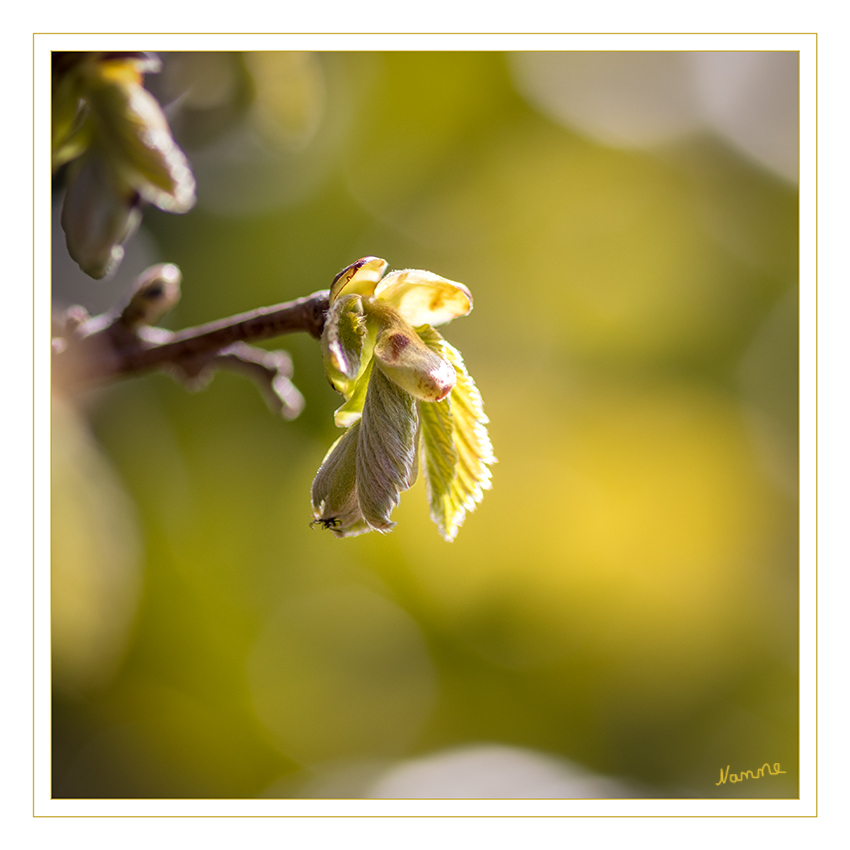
{"x":98,"y":215}
{"x":134,"y":135}
{"x":157,"y":291}
{"x":405,"y":359}
{"x":120,"y":151}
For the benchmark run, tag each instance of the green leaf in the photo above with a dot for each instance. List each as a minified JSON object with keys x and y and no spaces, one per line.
{"x":343,"y":341}
{"x":363,"y":475}
{"x":352,"y":410}
{"x":70,"y":134}
{"x":439,"y":457}
{"x":456,"y":448}
{"x":334,"y":491}
{"x":386,"y":450}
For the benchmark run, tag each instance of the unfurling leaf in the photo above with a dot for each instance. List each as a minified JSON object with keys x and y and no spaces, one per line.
{"x":386,"y":450}
{"x":343,"y":344}
{"x":407,"y":391}
{"x":424,"y":298}
{"x":456,"y":448}
{"x":363,"y":475}
{"x":334,"y":491}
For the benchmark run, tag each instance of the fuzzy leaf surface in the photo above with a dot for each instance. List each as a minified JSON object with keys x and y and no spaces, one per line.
{"x":456,"y":448}
{"x":386,"y":449}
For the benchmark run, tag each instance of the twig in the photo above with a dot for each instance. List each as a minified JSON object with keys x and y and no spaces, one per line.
{"x":271,"y":371}
{"x":88,"y":351}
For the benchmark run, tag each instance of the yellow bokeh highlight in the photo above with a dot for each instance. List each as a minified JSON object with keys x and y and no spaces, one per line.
{"x":636,"y":522}
{"x":290,"y":95}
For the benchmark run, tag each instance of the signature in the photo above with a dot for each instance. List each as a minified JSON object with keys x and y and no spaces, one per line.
{"x":748,"y":774}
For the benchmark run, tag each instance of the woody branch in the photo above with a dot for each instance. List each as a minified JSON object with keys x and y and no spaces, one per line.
{"x":92,"y":350}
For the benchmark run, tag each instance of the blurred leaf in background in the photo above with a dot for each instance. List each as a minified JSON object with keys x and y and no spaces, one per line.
{"x":619,"y":617}
{"x":110,"y":135}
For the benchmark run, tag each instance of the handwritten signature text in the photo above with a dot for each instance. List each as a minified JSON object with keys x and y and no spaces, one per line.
{"x":764,"y":770}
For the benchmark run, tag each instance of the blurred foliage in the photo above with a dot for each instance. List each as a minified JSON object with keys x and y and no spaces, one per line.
{"x":111,"y":136}
{"x":624,"y":599}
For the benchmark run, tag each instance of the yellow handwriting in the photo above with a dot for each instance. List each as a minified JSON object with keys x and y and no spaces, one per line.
{"x":748,"y":774}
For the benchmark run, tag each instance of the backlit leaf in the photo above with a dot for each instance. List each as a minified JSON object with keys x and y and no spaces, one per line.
{"x":456,"y":448}
{"x":343,"y":341}
{"x":424,"y":297}
{"x":360,"y":278}
{"x":352,"y":410}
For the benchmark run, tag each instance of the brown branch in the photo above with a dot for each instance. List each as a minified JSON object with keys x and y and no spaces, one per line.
{"x":88,"y":351}
{"x":271,"y":371}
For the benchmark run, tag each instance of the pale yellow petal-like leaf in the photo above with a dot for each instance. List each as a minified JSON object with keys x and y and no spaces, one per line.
{"x":424,"y":298}
{"x":456,"y":448}
{"x":360,"y":278}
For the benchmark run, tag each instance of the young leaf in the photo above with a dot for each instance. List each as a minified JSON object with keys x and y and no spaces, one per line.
{"x":456,"y":449}
{"x":334,"y":491}
{"x":343,"y":343}
{"x":386,"y":449}
{"x":348,"y":413}
{"x":359,"y":278}
{"x":363,"y":475}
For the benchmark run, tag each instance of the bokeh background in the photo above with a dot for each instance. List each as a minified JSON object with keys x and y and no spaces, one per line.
{"x":619,"y":616}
